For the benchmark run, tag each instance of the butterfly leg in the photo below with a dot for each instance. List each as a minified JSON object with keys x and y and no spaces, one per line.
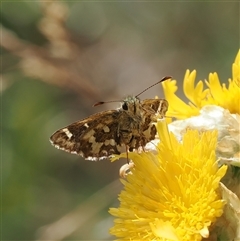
{"x":127,"y":154}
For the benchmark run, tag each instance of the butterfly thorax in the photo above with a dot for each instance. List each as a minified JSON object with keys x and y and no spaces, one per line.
{"x":130,"y":120}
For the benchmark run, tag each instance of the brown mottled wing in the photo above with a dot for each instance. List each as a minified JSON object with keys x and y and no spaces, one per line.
{"x":93,"y":138}
{"x":156,"y":107}
{"x":153,"y":109}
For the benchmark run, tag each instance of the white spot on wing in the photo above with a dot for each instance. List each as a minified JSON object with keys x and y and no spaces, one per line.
{"x":104,"y":152}
{"x":96,"y":147}
{"x":106,"y":129}
{"x":106,"y":142}
{"x":67,"y":132}
{"x":110,"y":142}
{"x":92,"y":139}
{"x":91,"y":158}
{"x":89,"y":134}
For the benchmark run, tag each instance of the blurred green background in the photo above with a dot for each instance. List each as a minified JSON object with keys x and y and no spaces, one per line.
{"x":59,"y":58}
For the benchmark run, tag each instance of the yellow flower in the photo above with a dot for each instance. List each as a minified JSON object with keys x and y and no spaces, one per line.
{"x":174,"y":194}
{"x":215,"y":94}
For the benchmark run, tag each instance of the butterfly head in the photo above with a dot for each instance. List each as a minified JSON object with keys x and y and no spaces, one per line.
{"x":131,"y":104}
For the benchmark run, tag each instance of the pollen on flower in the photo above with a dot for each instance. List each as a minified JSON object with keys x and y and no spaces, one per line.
{"x":172,"y":194}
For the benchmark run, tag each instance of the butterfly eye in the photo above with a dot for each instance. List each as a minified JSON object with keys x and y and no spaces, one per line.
{"x":125,"y":106}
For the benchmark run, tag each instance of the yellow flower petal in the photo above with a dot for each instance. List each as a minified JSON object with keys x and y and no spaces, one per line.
{"x":228,"y":98}
{"x":177,"y":107}
{"x":215,"y":94}
{"x":194,"y":94}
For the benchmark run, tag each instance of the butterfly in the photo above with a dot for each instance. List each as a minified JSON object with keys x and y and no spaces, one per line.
{"x":106,"y":133}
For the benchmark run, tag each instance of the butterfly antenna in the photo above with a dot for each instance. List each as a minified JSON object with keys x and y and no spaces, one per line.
{"x":104,"y":102}
{"x":163,"y":79}
{"x":112,"y":101}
